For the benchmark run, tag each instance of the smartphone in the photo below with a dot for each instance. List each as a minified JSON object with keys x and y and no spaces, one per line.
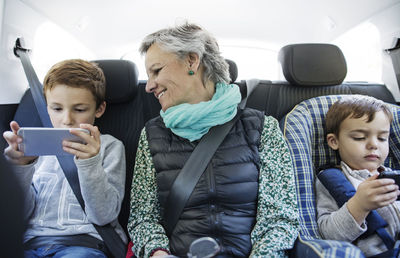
{"x":41,"y":141}
{"x":395,"y":175}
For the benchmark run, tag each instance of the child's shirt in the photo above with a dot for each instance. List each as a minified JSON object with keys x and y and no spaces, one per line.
{"x":337,"y":223}
{"x":51,"y":206}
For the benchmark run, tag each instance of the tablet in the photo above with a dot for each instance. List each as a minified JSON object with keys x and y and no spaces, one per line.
{"x":41,"y":141}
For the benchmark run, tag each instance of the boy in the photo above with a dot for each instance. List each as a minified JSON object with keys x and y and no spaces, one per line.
{"x":75,"y":93}
{"x":358,"y":128}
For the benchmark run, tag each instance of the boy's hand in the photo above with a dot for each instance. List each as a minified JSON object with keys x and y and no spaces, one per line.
{"x":370,"y":195}
{"x":88,"y":150}
{"x":12,"y":152}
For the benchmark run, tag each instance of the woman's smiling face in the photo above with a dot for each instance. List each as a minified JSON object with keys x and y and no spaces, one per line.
{"x":169,"y":78}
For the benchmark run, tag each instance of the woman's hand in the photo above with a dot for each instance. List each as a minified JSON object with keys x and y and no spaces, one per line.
{"x":86,"y":150}
{"x":160,"y":253}
{"x":372,"y":194}
{"x":12,"y":152}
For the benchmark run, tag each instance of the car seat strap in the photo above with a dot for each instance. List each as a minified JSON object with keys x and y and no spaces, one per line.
{"x":342,"y":190}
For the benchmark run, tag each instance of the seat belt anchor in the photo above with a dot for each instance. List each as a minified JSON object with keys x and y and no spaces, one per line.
{"x":19,"y":47}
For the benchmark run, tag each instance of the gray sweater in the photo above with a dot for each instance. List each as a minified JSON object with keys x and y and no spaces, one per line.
{"x":338,"y":224}
{"x":51,"y":206}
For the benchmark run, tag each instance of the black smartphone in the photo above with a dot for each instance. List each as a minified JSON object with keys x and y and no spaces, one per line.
{"x":395,"y":175}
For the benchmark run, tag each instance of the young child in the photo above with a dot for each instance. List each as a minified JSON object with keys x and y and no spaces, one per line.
{"x":358,"y":128}
{"x":75,"y":93}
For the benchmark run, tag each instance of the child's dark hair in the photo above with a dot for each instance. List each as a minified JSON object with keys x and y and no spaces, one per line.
{"x":77,"y":73}
{"x":354,"y":107}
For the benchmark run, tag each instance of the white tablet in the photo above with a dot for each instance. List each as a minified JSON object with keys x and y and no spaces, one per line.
{"x":40,"y":141}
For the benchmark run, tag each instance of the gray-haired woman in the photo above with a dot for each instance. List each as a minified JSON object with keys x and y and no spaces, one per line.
{"x":245,"y":199}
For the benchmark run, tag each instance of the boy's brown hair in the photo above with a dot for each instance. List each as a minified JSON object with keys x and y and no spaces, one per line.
{"x":77,"y":73}
{"x":354,"y":107}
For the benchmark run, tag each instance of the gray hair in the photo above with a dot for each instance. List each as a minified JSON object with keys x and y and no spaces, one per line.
{"x":190,"y":38}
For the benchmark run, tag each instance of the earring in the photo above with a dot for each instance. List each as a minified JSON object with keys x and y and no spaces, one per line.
{"x":190,"y":72}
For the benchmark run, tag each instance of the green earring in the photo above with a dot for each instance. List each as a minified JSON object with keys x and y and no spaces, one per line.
{"x":191,"y":72}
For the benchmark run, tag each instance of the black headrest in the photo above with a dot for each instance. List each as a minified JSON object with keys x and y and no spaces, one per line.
{"x":121,"y":79}
{"x":233,"y":70}
{"x":313,"y":64}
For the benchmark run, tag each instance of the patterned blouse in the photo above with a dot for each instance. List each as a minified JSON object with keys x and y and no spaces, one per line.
{"x":277,"y":213}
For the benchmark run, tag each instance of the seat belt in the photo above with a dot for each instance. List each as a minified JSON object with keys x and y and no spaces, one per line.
{"x":250,"y":86}
{"x":110,"y":237}
{"x":191,"y":172}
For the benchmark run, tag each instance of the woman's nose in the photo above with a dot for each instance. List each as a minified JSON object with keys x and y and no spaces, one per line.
{"x":150,"y":86}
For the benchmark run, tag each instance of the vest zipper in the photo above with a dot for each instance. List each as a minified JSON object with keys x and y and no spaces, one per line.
{"x":213,"y":207}
{"x":211,"y":180}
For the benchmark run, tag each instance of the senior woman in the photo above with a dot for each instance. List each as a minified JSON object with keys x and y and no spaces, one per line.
{"x":245,"y":199}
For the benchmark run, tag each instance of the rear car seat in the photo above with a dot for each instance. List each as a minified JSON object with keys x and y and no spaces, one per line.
{"x":318,"y":70}
{"x":311,"y":70}
{"x":128,"y":109}
{"x":304,"y":129}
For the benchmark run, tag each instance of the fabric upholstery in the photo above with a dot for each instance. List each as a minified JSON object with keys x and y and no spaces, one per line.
{"x":121,"y":79}
{"x":277,"y":98}
{"x":6,"y":114}
{"x":305,"y":135}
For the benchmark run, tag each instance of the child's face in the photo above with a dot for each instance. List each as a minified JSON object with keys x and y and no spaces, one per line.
{"x":69,"y":107}
{"x":362,"y":145}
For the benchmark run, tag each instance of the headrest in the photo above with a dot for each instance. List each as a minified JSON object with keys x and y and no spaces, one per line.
{"x":233,"y":70}
{"x":121,"y":79}
{"x":313,"y":64}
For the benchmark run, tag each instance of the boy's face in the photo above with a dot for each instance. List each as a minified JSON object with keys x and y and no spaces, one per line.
{"x":362,"y":145}
{"x":69,"y":107}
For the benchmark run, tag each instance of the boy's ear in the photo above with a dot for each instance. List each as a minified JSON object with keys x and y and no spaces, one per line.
{"x":100,"y":110}
{"x":333,"y":141}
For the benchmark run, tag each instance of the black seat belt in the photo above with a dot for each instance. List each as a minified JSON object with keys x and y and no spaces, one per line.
{"x":110,"y":237}
{"x":191,"y":172}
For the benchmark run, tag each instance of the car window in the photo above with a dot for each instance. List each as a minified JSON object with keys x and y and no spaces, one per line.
{"x":363,"y":52}
{"x":52,"y":44}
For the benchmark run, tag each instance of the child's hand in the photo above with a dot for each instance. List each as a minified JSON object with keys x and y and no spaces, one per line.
{"x":88,"y":150}
{"x":372,"y":194}
{"x":12,"y":152}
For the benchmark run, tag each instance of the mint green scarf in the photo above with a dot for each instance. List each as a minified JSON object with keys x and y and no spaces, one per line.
{"x":192,"y":121}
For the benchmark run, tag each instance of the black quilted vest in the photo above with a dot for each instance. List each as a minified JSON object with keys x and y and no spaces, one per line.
{"x":223,"y":204}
